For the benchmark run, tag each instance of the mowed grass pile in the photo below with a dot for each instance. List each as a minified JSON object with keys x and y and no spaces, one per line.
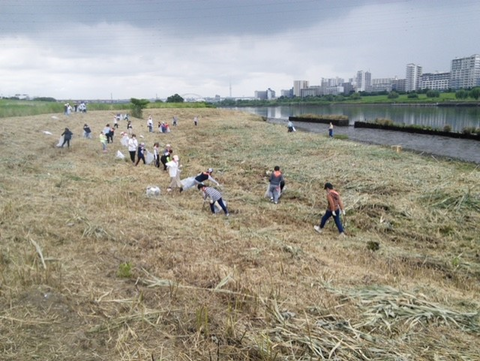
{"x":93,"y":269}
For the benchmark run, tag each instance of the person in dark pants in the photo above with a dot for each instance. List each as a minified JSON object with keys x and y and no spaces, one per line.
{"x":141,"y":154}
{"x":330,"y":130}
{"x":67,"y":135}
{"x":215,"y":196}
{"x":202,"y":177}
{"x":132,"y":147}
{"x":156,"y":154}
{"x":166,"y":157}
{"x":275,"y":187}
{"x":335,"y":208}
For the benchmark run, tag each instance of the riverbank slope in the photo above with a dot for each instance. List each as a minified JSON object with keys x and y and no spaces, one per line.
{"x":89,"y":261}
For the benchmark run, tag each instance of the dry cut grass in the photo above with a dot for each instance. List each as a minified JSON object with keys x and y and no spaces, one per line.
{"x":92,"y":269}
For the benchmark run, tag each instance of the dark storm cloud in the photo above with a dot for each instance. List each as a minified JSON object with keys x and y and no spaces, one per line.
{"x":207,"y":17}
{"x":144,"y":48}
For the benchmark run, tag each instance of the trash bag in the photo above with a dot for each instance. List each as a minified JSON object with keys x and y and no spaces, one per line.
{"x":149,"y":158}
{"x":188,"y":183}
{"x":119,"y":155}
{"x":60,"y":142}
{"x":124,"y":140}
{"x":153,"y":191}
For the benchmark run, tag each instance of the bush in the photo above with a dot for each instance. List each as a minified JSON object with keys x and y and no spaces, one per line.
{"x":447,"y":128}
{"x":382,"y":121}
{"x":137,"y":106}
{"x":468,"y":130}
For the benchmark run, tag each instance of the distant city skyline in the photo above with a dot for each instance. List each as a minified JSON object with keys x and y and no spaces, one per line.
{"x":152,"y":49}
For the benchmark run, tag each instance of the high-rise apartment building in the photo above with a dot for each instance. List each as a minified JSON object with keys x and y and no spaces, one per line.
{"x":298,"y":85}
{"x":382,"y":84}
{"x":434,"y":81}
{"x":413,"y":75}
{"x":363,"y":81}
{"x":465,"y":72}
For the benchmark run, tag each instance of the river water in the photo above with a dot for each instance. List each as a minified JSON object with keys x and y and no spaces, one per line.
{"x":435,"y":117}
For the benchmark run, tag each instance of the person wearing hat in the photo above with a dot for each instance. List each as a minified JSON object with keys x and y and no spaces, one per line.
{"x":173,"y":167}
{"x":215,"y":196}
{"x":276,"y":180}
{"x":334,"y":208}
{"x":190,"y":182}
{"x":202,"y":177}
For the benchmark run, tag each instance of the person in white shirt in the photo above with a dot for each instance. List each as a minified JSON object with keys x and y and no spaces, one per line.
{"x":150,"y":124}
{"x":173,"y":167}
{"x":132,"y":147}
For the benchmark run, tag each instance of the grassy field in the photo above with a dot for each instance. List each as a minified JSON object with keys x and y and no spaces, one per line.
{"x":92,"y":269}
{"x":15,"y":108}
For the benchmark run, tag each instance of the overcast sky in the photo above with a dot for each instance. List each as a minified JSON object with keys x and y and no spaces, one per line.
{"x":102,"y":49}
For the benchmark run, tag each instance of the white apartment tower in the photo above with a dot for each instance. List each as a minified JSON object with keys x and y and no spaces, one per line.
{"x":465,"y":72}
{"x":363,"y":81}
{"x":298,"y":85}
{"x":413,"y":75}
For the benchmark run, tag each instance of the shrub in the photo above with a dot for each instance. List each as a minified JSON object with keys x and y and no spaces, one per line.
{"x":393,"y":95}
{"x":468,"y":130}
{"x":137,"y":106}
{"x":382,"y":121}
{"x":447,"y":128}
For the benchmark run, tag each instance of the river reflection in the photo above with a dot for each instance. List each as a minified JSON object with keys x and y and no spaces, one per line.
{"x":457,"y":118}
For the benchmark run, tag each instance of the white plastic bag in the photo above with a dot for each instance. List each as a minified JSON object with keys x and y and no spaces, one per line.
{"x":60,"y":142}
{"x":153,"y":191}
{"x":119,"y":155}
{"x":188,"y":183}
{"x":124,"y":140}
{"x":149,"y":158}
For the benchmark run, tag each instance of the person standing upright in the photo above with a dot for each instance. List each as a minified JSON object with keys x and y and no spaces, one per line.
{"x":103,"y":141}
{"x":276,"y":180}
{"x":334,"y":208}
{"x":330,"y":130}
{"x":141,"y":154}
{"x":67,"y":136}
{"x":174,"y":173}
{"x":150,"y":124}
{"x":132,"y":147}
{"x":156,"y":154}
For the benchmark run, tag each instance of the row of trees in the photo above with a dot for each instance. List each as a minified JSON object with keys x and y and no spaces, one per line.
{"x":353,"y":96}
{"x":137,"y":105}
